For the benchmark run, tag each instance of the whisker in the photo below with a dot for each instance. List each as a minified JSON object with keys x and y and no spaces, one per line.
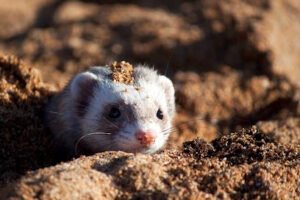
{"x":111,"y":123}
{"x":126,"y":115}
{"x":94,"y":119}
{"x":124,"y":137}
{"x":180,"y":124}
{"x":53,"y":112}
{"x":87,"y":135}
{"x":169,"y":129}
{"x":168,"y":63}
{"x":172,"y":143}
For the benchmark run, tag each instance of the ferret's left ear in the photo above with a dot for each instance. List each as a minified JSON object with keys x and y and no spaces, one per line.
{"x":169,"y":90}
{"x":82,"y":87}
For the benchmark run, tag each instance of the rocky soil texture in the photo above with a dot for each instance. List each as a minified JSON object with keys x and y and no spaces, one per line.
{"x":235,"y":66}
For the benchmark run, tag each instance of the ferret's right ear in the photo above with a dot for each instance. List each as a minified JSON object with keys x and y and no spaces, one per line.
{"x":82,"y":87}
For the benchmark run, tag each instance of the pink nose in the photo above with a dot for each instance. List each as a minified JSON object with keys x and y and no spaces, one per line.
{"x":145,"y":138}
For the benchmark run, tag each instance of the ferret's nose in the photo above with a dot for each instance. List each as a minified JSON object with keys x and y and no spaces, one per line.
{"x":145,"y":138}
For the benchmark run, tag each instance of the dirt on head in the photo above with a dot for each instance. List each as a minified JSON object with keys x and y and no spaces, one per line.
{"x":122,"y":72}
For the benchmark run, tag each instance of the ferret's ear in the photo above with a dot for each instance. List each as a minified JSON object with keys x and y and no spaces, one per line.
{"x":169,"y":90}
{"x":82,"y":87}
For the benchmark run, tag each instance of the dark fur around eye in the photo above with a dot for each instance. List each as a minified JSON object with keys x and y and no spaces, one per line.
{"x":114,"y":113}
{"x":159,"y":114}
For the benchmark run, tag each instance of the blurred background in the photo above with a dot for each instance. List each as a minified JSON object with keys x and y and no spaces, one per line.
{"x":64,"y":37}
{"x":233,"y":62}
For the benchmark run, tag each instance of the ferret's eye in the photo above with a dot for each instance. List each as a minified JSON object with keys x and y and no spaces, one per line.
{"x":159,"y":114}
{"x":114,"y":113}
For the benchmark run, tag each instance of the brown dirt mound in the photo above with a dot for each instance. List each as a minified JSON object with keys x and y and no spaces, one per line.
{"x":285,"y":131}
{"x":24,"y":143}
{"x":195,"y":35}
{"x":246,"y":146}
{"x":222,"y":169}
{"x":218,"y":103}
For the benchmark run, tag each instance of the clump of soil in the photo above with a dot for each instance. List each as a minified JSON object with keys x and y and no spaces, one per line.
{"x":23,"y":140}
{"x":122,"y":72}
{"x":245,"y":146}
{"x":246,"y":165}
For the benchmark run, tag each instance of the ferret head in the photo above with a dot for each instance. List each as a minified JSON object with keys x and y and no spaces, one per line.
{"x":137,"y":117}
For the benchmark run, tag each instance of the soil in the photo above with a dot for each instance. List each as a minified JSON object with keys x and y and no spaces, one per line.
{"x":25,"y":145}
{"x":245,"y":165}
{"x":235,"y":66}
{"x":122,"y":72}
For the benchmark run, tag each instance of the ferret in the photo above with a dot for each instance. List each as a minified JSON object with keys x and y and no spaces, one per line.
{"x":136,"y":117}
